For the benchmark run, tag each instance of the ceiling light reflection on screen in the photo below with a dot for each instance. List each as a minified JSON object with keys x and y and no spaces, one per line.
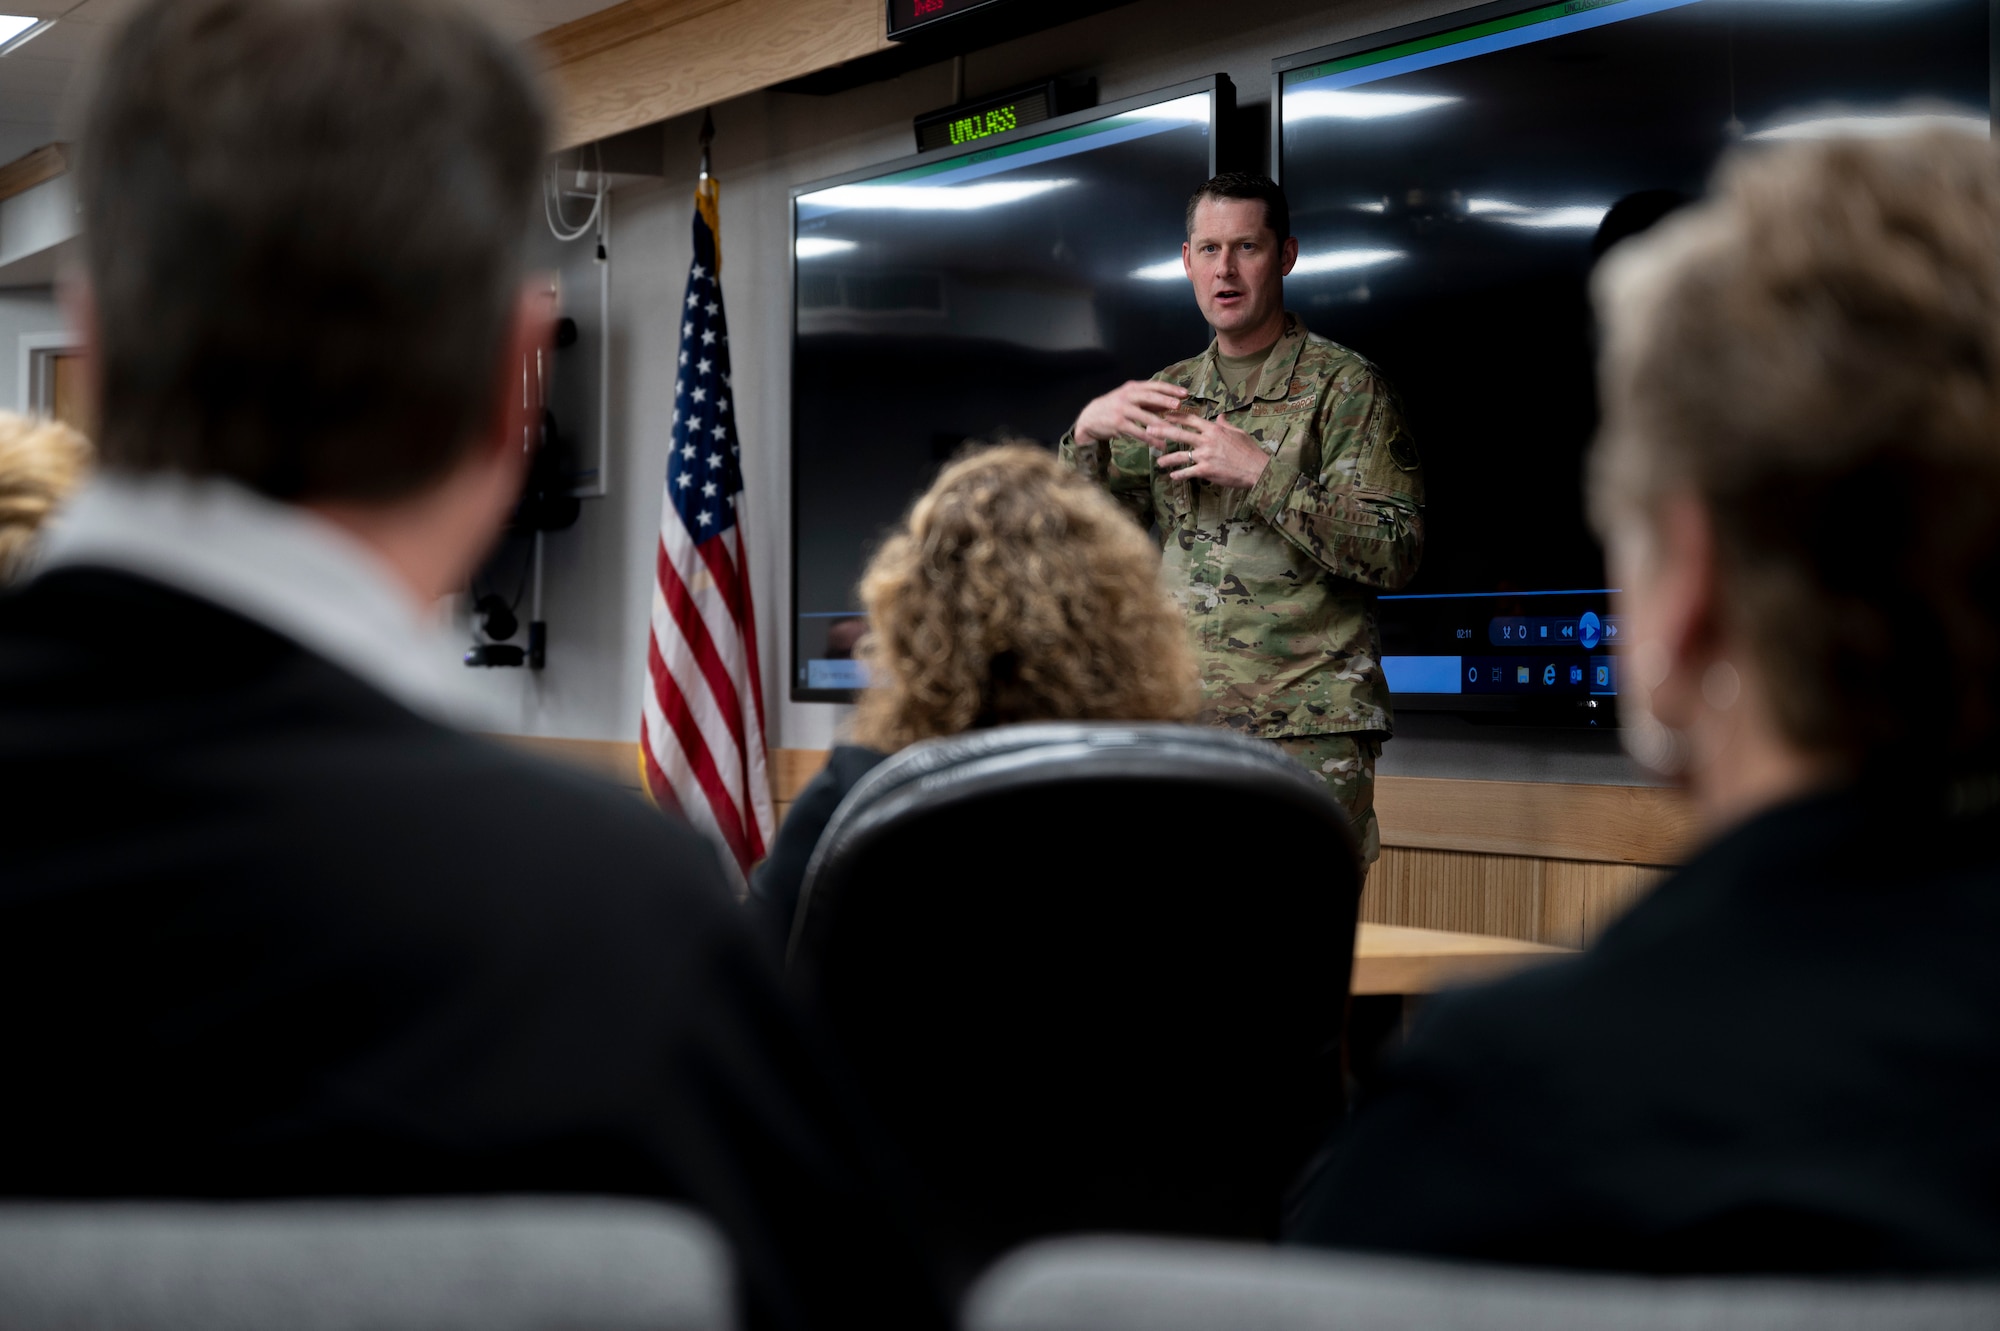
{"x":1326,"y":261}
{"x":933,"y":198}
{"x":18,"y":28}
{"x":1187,"y":110}
{"x":1346,"y":104}
{"x":1876,"y":125}
{"x":1341,"y":261}
{"x":818,"y":247}
{"x":1575,"y":216}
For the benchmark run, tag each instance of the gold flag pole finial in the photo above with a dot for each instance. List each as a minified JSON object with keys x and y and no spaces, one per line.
{"x":707,"y":192}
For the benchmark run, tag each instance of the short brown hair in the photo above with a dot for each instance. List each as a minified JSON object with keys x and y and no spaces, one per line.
{"x":41,"y":461}
{"x":1246,"y":185}
{"x":304,"y":224}
{"x":1815,"y":354}
{"x":1018,"y":591}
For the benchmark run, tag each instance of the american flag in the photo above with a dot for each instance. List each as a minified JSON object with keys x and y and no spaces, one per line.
{"x":701,"y":737}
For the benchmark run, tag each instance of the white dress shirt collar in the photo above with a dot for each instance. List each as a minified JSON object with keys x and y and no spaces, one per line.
{"x":276,"y":564}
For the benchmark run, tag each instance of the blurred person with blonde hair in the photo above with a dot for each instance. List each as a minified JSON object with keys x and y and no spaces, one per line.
{"x":1786,"y":1057}
{"x":1015,"y":591}
{"x":41,"y":462}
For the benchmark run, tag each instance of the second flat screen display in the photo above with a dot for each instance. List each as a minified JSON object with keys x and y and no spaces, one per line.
{"x":1452,"y":187}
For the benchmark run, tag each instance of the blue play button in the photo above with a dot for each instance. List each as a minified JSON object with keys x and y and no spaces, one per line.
{"x":1589,"y":628}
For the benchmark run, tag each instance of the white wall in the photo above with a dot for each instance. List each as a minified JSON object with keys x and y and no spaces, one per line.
{"x":22,"y":310}
{"x":599,"y":574}
{"x":18,"y":138}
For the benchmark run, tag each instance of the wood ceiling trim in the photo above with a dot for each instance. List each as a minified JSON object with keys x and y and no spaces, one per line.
{"x":38,"y":167}
{"x":594,"y":33}
{"x":644,"y":61}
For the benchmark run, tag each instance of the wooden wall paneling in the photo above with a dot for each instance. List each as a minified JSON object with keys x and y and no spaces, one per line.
{"x":1564,"y":903}
{"x":646,"y":60}
{"x":1472,"y":894}
{"x":25,"y":172}
{"x":1580,"y":899}
{"x":1609,"y":824}
{"x":1615,"y":894}
{"x":1539,"y":861}
{"x":791,"y":769}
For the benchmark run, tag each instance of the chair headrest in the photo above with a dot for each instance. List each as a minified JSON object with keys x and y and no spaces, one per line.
{"x":937,"y":774}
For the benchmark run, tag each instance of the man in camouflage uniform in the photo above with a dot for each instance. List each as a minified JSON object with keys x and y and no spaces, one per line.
{"x":1286,"y":492}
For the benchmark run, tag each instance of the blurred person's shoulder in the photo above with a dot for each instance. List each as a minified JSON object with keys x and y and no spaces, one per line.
{"x":1803,"y":989}
{"x":1744,"y":914}
{"x":1577,"y":1060}
{"x":175,"y":719}
{"x":1838,"y":902}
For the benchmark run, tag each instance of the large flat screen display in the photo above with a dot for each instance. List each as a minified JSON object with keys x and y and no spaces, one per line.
{"x":1454,"y":183}
{"x":973,"y":295}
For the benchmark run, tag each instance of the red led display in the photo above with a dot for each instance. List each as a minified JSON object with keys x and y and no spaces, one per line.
{"x":905,"y":15}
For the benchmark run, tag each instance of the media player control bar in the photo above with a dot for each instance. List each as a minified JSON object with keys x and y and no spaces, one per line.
{"x":1587,"y":630}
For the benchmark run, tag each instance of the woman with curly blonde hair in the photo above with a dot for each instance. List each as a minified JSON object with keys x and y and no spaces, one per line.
{"x":41,"y":461}
{"x":1016,"y":591}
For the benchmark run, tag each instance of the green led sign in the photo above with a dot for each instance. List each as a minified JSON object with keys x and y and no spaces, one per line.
{"x":969,"y":122}
{"x":996,"y":121}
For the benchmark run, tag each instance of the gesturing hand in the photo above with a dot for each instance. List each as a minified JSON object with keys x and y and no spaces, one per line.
{"x":1213,"y":451}
{"x":1131,"y":408}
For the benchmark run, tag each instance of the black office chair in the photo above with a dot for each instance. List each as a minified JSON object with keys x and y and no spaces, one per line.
{"x":1091,"y":976}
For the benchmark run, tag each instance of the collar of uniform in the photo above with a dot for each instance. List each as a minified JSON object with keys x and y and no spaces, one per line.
{"x":1274,"y":381}
{"x":1283,"y":355}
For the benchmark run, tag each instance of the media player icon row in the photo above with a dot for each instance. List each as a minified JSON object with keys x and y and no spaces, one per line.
{"x":1587,"y":630}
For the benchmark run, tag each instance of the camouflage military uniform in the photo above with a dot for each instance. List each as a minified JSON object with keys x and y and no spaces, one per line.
{"x":1277,"y":581}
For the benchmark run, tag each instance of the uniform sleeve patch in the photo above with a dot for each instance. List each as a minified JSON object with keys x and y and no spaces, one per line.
{"x":1402,"y":447}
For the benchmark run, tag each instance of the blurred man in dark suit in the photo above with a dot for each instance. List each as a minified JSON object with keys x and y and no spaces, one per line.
{"x":269,"y":924}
